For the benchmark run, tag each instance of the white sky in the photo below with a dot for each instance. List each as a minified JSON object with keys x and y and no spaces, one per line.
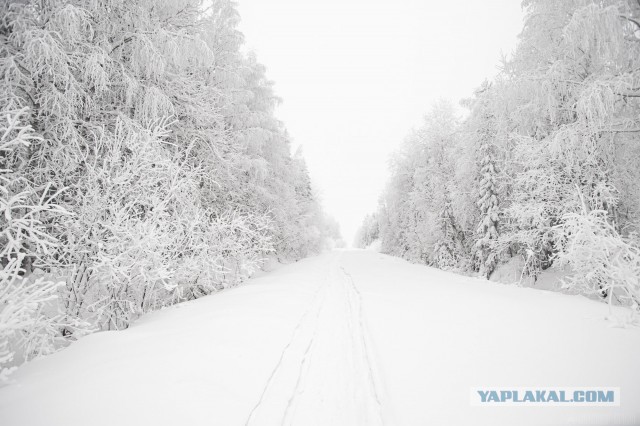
{"x":357,"y":75}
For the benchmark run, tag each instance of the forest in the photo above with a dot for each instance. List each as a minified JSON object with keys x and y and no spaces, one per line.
{"x":543,"y":166}
{"x":141,"y":166}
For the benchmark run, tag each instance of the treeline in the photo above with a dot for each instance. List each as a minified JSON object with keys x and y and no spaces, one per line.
{"x":142,"y":165}
{"x":545,"y":165}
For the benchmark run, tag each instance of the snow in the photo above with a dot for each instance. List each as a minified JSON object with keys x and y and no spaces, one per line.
{"x":346,"y":338}
{"x":550,"y":279}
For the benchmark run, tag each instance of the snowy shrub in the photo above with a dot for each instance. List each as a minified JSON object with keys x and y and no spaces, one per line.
{"x":26,"y":214}
{"x":25,"y":327}
{"x":603,"y":262}
{"x":141,"y":238}
{"x":242,"y":243}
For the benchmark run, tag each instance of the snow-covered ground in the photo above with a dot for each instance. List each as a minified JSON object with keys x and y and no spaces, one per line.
{"x":346,"y":338}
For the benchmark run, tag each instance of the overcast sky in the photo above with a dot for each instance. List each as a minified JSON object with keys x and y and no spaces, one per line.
{"x":357,"y":75}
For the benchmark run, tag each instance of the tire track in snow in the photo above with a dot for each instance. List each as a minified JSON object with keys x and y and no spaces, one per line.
{"x":300,"y":382}
{"x":337,"y":384}
{"x":302,"y":324}
{"x":362,"y":338}
{"x":326,"y":374}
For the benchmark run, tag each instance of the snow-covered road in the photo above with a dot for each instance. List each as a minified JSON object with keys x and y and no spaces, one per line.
{"x":325,"y":374}
{"x":347,"y":338}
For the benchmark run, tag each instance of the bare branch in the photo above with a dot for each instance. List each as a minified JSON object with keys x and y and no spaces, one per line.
{"x":631,"y":20}
{"x":628,"y":94}
{"x":122,"y":43}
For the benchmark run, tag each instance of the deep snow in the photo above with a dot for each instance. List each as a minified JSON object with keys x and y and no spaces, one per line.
{"x":346,"y":338}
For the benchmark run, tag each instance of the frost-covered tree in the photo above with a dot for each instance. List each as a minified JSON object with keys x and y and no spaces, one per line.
{"x":483,"y":134}
{"x":577,"y":109}
{"x":368,"y":232}
{"x":417,"y":220}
